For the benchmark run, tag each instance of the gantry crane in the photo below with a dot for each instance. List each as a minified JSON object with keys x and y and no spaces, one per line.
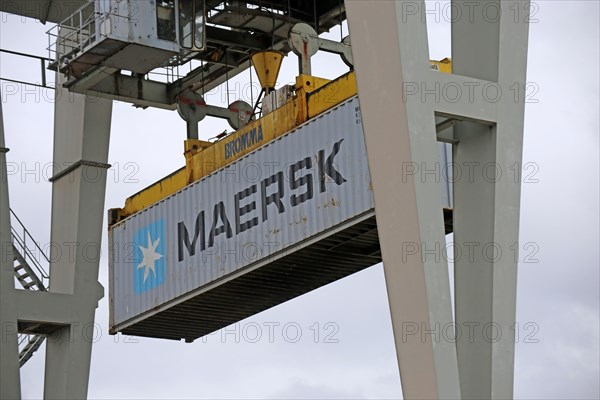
{"x":133,"y":51}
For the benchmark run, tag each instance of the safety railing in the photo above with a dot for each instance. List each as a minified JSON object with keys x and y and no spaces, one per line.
{"x":42,"y":82}
{"x":30,"y":250}
{"x":28,"y":344}
{"x":73,"y":34}
{"x":80,"y":31}
{"x":31,"y":274}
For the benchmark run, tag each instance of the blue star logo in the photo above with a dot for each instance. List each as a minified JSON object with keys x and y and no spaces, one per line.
{"x":149,"y":267}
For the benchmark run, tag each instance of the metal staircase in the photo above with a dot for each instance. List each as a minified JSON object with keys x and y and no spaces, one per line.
{"x":29,"y":261}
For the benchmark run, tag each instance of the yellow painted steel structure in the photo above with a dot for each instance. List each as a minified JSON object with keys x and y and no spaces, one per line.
{"x":313,"y":96}
{"x":444,"y":65}
{"x":266,"y":65}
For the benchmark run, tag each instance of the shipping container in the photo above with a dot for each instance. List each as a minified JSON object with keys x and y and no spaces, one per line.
{"x":291,"y":216}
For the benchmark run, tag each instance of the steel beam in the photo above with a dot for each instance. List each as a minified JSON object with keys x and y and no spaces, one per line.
{"x":44,"y":10}
{"x":258,"y":41}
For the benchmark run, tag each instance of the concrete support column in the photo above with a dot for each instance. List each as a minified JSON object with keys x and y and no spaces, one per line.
{"x":400,"y":135}
{"x":400,"y":97}
{"x":486,"y":208}
{"x":473,"y":271}
{"x":81,"y":140}
{"x":10,"y":385}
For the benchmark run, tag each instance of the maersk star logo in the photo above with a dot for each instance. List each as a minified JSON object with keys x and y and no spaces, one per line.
{"x":149,"y":257}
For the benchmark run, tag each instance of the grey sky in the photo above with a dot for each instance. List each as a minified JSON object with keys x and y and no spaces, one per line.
{"x":557,"y":355}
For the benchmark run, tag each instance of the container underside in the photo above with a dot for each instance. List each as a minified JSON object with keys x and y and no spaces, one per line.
{"x":335,"y":255}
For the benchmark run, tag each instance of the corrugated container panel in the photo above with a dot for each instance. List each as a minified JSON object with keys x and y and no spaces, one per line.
{"x":291,"y":216}
{"x":327,"y":257}
{"x":291,"y":189}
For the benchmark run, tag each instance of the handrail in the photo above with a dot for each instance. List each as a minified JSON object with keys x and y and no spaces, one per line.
{"x":23,"y":243}
{"x":33,"y":344}
{"x":79,"y":30}
{"x":29,"y":343}
{"x":43,"y":64}
{"x":80,"y":27}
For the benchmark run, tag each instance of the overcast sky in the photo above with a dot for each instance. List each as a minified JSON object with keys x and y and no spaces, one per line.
{"x":558,"y":296}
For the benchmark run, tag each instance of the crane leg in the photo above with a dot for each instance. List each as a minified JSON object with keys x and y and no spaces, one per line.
{"x":81,"y":141}
{"x":400,"y":97}
{"x":10,"y":386}
{"x":401,"y":136}
{"x":486,"y":210}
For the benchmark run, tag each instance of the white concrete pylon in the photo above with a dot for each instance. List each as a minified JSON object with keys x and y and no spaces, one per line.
{"x":400,"y":97}
{"x":81,"y":141}
{"x":399,"y":135}
{"x":81,"y":138}
{"x":10,"y":386}
{"x":490,"y":45}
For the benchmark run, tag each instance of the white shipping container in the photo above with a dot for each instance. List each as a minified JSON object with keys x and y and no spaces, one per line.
{"x":250,"y":219}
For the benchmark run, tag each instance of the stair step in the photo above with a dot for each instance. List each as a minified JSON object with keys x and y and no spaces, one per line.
{"x":25,"y":268}
{"x":31,"y":347}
